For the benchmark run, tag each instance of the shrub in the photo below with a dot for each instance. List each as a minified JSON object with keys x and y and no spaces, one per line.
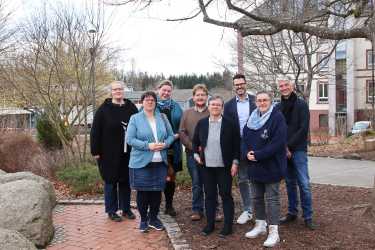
{"x":47,"y":134}
{"x":19,"y":152}
{"x":82,"y":178}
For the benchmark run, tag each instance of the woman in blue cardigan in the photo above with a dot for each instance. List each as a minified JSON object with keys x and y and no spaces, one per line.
{"x":264,"y":145}
{"x":150,"y":135}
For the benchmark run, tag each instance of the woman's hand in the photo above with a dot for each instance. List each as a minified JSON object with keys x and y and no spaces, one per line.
{"x":176,"y":136}
{"x":97,"y":157}
{"x":153,"y":146}
{"x":234,"y":170}
{"x":251,"y":156}
{"x":198,"y":159}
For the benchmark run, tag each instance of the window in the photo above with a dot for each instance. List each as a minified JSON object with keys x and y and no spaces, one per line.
{"x":323,"y":121}
{"x":323,"y":58}
{"x":300,"y":59}
{"x":369,"y":91}
{"x":323,"y":92}
{"x":369,"y":60}
{"x":301,"y":87}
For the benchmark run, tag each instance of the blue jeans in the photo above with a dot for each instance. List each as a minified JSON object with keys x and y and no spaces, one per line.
{"x":298,"y":174}
{"x":195,"y":172}
{"x":244,"y":185}
{"x":116,"y":196}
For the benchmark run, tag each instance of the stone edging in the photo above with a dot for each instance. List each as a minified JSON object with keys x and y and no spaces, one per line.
{"x":172,"y":228}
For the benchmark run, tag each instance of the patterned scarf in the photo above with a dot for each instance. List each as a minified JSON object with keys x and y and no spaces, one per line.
{"x":256,"y":120}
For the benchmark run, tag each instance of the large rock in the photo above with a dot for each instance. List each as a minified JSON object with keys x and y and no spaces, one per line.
{"x":26,"y":207}
{"x":10,"y":177}
{"x":13,"y":240}
{"x":2,"y":172}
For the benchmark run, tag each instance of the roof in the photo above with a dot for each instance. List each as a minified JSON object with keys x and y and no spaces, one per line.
{"x":14,"y":111}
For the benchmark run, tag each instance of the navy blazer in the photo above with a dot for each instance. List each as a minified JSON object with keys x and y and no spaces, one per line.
{"x":230,"y":110}
{"x":229,"y":140}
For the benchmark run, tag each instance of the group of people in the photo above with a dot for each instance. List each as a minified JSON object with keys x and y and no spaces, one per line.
{"x":248,"y":135}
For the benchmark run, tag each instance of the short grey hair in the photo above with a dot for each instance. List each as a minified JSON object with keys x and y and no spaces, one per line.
{"x":216,"y":97}
{"x":109,"y":86}
{"x":270,"y":95}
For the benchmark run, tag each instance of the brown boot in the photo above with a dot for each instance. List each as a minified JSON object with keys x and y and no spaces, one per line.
{"x":195,"y":217}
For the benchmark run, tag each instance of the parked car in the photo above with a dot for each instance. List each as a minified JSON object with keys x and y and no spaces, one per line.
{"x":361,"y":127}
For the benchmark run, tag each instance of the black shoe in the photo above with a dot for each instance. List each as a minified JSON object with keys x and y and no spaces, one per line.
{"x":288,"y":218}
{"x":225,"y":231}
{"x":309,"y":224}
{"x":128,"y":214}
{"x":170,"y":211}
{"x":114,"y":217}
{"x":207,"y":230}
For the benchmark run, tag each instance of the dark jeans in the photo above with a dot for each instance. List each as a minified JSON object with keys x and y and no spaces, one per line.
{"x":116,"y":196}
{"x":214,"y":179}
{"x":298,"y":174}
{"x":266,"y":201}
{"x":148,"y":203}
{"x":195,"y":172}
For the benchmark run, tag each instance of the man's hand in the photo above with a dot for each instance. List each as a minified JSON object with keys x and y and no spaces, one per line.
{"x":251,"y":156}
{"x":176,"y":136}
{"x":234,"y":170}
{"x":97,"y":157}
{"x":288,"y":153}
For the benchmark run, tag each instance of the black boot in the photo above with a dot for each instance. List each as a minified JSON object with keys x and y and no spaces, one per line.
{"x":169,"y":193}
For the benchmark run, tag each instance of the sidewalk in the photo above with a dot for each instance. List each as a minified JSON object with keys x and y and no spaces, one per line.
{"x":87,"y":227}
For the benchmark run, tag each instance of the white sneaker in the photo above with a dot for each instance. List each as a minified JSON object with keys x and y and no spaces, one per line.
{"x":244,"y":217}
{"x":273,"y":236}
{"x":259,"y":229}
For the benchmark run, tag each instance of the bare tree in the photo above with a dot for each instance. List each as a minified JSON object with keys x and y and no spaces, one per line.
{"x":297,"y":57}
{"x":51,"y":69}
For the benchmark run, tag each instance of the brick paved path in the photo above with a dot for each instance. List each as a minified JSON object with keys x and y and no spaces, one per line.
{"x":81,"y":227}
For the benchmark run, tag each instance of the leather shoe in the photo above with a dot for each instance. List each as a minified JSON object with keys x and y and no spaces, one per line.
{"x":288,"y":218}
{"x":128,"y":214}
{"x":195,"y":217}
{"x":227,"y":230}
{"x":207,"y":230}
{"x":309,"y":224}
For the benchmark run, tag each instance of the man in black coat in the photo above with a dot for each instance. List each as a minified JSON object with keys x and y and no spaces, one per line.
{"x":297,"y":116}
{"x":109,"y":148}
{"x":238,"y":110}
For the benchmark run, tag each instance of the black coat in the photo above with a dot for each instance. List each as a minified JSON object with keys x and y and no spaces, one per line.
{"x":298,"y":125}
{"x":107,"y":140}
{"x":229,"y":140}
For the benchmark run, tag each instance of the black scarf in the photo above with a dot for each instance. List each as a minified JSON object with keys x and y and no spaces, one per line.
{"x":287,"y":106}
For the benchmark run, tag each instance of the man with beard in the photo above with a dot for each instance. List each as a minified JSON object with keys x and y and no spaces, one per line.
{"x":188,"y":122}
{"x":238,"y":109}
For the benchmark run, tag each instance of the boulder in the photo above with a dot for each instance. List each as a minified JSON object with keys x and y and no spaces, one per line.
{"x":10,"y":177}
{"x":26,"y":207}
{"x":13,"y":240}
{"x":2,"y":172}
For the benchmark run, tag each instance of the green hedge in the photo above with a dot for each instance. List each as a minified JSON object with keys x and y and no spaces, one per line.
{"x":84,"y":178}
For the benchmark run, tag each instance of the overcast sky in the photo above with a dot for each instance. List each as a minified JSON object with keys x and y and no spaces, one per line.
{"x":157,"y":46}
{"x":171,"y":47}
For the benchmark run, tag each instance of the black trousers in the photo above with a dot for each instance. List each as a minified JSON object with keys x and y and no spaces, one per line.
{"x":215,"y":178}
{"x":148,"y":203}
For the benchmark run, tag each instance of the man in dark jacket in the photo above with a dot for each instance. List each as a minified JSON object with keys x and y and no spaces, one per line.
{"x":238,"y":110}
{"x":297,"y":116}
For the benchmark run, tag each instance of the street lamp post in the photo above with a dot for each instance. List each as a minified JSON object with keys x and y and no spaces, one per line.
{"x":92,"y":33}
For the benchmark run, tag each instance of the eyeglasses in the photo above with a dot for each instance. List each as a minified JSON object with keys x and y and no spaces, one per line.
{"x":262,"y":100}
{"x":118,"y":89}
{"x":149,"y":100}
{"x":239,"y":84}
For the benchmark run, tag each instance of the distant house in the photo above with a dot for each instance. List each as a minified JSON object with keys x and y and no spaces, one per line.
{"x":17,"y":118}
